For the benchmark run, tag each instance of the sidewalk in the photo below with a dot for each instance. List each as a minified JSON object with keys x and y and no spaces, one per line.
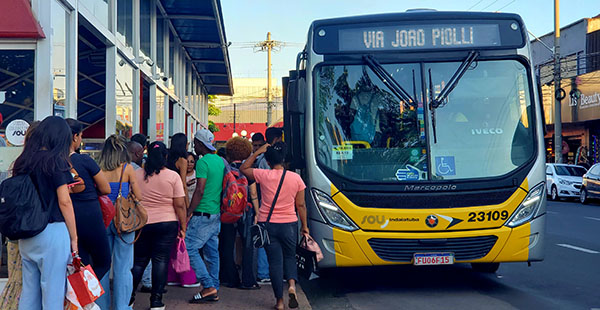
{"x":229,"y":298}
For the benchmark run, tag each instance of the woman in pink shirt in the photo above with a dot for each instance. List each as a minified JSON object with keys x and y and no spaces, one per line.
{"x":282,"y":226}
{"x":163,"y":198}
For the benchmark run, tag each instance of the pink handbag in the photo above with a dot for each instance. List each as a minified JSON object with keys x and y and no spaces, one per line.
{"x":180,"y":261}
{"x":310,"y":244}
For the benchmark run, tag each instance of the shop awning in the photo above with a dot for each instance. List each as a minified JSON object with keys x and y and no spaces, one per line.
{"x":17,"y":21}
{"x":199,"y":25}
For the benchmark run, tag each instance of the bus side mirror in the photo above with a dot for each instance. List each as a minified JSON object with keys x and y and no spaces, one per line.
{"x":295,"y":93}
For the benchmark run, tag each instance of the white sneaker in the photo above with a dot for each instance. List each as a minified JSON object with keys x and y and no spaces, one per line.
{"x":174,"y":283}
{"x":197,"y":284}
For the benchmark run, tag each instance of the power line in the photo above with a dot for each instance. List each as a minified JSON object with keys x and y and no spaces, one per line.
{"x":490,"y":4}
{"x":506,"y":5}
{"x":474,"y":5}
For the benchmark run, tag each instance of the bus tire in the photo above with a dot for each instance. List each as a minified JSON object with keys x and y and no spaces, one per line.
{"x":485,"y":267}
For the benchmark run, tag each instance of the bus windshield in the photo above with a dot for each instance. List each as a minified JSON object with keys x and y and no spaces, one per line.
{"x":366,"y":133}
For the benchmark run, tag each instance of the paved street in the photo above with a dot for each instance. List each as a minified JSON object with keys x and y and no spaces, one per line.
{"x":569,"y":278}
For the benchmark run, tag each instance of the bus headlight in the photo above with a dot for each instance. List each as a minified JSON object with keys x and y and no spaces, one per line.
{"x":331,"y":212}
{"x":528,"y":207}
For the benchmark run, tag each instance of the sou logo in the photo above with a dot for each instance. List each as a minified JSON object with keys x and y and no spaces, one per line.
{"x":372,"y":219}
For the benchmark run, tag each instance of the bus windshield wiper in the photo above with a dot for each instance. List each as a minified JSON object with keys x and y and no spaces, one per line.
{"x":443,"y":95}
{"x":389,"y":80}
{"x":440,"y":100}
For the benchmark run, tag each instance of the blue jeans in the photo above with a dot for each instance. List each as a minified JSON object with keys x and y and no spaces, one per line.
{"x":147,"y":276}
{"x":262,"y":264}
{"x":203,"y":233}
{"x":45,"y":259}
{"x":122,"y":262}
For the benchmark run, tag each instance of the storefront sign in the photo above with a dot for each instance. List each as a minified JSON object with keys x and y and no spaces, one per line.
{"x":581,"y":104}
{"x":585,"y":101}
{"x":15,"y":132}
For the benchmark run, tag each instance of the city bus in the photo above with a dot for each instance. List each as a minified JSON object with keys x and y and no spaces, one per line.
{"x":420,"y":138}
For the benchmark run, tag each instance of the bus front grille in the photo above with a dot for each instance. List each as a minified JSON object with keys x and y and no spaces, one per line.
{"x":403,"y":250}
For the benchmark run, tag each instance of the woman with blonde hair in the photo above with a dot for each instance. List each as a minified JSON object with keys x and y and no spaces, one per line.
{"x":114,"y":161}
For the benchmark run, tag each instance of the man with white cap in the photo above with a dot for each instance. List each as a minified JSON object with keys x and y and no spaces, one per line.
{"x":204,"y":225}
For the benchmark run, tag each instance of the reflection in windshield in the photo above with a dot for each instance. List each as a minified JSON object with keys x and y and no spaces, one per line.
{"x":365,"y":132}
{"x":570,"y":171}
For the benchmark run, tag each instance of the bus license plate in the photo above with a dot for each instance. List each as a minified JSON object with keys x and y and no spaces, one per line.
{"x":424,"y":259}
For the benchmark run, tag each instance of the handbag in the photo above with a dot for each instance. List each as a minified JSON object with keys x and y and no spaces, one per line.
{"x":259,"y":233}
{"x":130,"y":214}
{"x":180,"y":259}
{"x":78,"y":185}
{"x":308,"y":254}
{"x":84,"y":283}
{"x":108,"y":209}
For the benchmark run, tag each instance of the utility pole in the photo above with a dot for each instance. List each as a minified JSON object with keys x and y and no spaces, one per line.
{"x":268,"y":46}
{"x":558,"y":92}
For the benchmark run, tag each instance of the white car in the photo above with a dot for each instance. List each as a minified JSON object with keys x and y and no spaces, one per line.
{"x":564,"y":181}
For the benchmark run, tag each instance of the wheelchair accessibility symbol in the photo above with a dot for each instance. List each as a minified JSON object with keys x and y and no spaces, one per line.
{"x":445,"y":165}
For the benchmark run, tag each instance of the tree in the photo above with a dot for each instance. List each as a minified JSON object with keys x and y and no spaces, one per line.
{"x":213,"y":110}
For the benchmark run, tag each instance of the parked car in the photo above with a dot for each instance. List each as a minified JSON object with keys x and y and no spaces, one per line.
{"x":564,"y":181}
{"x":590,"y":186}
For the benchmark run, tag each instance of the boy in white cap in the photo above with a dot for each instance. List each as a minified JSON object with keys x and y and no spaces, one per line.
{"x":204,"y":225}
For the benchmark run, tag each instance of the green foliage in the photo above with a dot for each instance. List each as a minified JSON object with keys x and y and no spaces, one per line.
{"x":212,"y":127}
{"x":213,"y":110}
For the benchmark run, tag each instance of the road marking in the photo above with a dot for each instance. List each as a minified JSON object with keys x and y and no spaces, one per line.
{"x":551,"y":212}
{"x":592,"y":218}
{"x":578,"y":248}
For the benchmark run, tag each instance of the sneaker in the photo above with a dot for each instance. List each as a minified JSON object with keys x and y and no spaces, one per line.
{"x":174,"y":283}
{"x":157,"y":305}
{"x":264,"y":281}
{"x":197,"y":284}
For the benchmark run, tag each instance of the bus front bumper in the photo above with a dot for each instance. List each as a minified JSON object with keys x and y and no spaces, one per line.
{"x":366,"y":248}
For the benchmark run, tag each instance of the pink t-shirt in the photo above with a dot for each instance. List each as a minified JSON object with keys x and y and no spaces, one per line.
{"x":285,"y":207}
{"x":158,"y":192}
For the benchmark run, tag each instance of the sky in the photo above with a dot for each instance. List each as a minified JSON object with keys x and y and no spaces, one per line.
{"x":248,"y":21}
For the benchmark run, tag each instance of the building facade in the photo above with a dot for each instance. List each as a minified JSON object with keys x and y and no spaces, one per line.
{"x":245,"y":113}
{"x":580,"y":81}
{"x":118,"y":66}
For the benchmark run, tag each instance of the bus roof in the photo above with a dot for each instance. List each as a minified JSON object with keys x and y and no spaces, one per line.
{"x":417,"y":15}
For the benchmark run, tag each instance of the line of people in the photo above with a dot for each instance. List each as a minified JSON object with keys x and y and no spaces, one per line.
{"x":182,"y":195}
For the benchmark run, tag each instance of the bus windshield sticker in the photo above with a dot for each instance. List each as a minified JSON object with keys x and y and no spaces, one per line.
{"x":444,"y":165}
{"x":342,"y":152}
{"x":410,"y":173}
{"x":415,"y":37}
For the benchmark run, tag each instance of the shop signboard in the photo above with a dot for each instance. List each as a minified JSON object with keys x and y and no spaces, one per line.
{"x":580,"y":105}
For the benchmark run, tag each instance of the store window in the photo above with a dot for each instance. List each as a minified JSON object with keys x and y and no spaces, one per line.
{"x":125,"y":22}
{"x":99,"y":9}
{"x":160,"y":41}
{"x":16,"y":103}
{"x":60,"y":17}
{"x":160,"y":115}
{"x":145,"y":23}
{"x":124,"y":95}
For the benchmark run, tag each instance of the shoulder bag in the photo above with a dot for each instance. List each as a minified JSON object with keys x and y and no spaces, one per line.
{"x":131,"y":215}
{"x":259,"y":233}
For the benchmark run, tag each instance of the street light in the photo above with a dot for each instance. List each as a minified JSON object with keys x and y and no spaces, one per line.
{"x":235,"y":134}
{"x":244,"y":133}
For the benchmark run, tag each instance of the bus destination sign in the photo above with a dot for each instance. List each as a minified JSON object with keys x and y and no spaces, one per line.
{"x":419,"y":37}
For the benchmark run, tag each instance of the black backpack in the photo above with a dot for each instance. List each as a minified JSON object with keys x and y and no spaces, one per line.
{"x":22,"y":211}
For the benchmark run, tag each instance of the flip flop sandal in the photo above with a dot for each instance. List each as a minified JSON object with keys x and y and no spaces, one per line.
{"x":198,"y":298}
{"x":293,"y":301}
